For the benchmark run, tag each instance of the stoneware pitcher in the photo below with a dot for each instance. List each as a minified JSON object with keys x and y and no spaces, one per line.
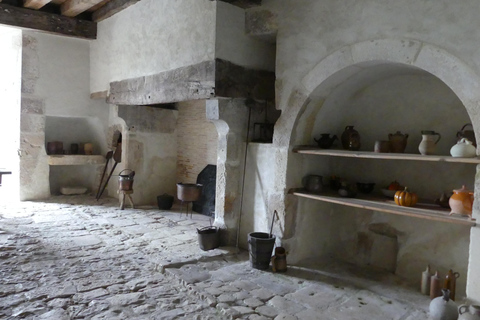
{"x":429,"y":142}
{"x":467,"y":312}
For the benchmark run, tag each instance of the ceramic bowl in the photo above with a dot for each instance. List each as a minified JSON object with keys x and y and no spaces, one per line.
{"x":365,"y":187}
{"x":389,"y":193}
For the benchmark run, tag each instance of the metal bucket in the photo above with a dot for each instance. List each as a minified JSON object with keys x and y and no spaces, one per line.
{"x":208,"y":238}
{"x":189,"y":192}
{"x":260,"y":246}
{"x":125,"y":181}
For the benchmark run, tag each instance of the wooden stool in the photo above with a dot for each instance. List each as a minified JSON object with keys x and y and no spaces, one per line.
{"x":122,"y":194}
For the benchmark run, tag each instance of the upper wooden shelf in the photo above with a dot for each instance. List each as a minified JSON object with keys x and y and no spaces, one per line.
{"x":75,"y":160}
{"x":375,"y":155}
{"x":423,"y":210}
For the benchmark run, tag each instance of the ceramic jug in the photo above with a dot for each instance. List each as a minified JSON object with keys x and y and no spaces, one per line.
{"x":313,"y":183}
{"x":425,"y":283}
{"x":398,"y":142}
{"x":325,"y":141}
{"x":429,"y":142}
{"x":461,"y":201}
{"x":279,"y":260}
{"x":467,"y":312}
{"x":467,"y":134}
{"x":443,"y":308}
{"x":463,"y":149}
{"x":450,"y":282}
{"x":350,"y":139}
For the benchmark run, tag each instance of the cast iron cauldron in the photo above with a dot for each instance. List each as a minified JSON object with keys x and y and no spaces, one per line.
{"x":165,"y":202}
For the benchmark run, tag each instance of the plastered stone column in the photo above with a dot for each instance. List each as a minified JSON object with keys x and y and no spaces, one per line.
{"x":34,"y":168}
{"x":231,"y":119}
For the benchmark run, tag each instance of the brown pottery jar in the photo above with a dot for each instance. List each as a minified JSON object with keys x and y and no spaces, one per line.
{"x":350,"y":139}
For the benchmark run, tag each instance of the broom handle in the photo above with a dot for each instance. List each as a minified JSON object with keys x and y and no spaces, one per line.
{"x":273,"y":219}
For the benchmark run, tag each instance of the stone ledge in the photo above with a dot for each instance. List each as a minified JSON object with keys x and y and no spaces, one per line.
{"x":75,"y":160}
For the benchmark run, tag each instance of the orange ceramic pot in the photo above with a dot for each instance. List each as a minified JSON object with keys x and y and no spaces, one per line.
{"x":461,"y":201}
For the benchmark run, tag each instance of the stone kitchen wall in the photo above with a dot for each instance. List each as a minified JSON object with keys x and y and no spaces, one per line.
{"x":321,"y":45}
{"x":197,"y":141}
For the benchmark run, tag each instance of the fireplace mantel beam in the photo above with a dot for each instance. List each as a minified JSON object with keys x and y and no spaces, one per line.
{"x":47,"y":22}
{"x":205,"y":80}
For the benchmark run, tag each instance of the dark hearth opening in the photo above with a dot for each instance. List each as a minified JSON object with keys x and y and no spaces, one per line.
{"x":208,"y":178}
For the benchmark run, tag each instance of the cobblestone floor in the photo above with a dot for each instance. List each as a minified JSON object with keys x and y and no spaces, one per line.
{"x":76,"y":258}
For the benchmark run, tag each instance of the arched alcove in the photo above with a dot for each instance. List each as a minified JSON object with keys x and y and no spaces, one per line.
{"x":390,"y":89}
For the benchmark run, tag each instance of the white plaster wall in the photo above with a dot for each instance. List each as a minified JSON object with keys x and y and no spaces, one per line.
{"x":259,"y":177}
{"x":10,"y":93}
{"x":234,"y":45}
{"x":150,"y":37}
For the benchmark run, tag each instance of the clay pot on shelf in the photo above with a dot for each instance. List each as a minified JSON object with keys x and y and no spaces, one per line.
{"x":325,"y":141}
{"x":382,"y":146}
{"x":463,"y":149}
{"x":461,"y":201}
{"x":398,"y":142}
{"x":350,"y":139}
{"x":313,"y":183}
{"x":429,"y":142}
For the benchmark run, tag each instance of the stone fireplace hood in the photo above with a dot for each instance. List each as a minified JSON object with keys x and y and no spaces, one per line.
{"x":205,"y":80}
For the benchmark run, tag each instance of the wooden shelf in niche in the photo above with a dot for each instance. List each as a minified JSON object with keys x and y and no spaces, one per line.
{"x":75,"y":160}
{"x":424,"y":210}
{"x":386,"y":156}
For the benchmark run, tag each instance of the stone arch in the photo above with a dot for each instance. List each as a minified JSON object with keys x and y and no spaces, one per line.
{"x":338,"y":66}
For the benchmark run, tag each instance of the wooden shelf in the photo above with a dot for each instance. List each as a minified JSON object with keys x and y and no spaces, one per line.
{"x":429,"y":211}
{"x":75,"y":160}
{"x":386,"y":156}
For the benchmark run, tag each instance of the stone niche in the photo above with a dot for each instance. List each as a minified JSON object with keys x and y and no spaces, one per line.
{"x":81,"y":172}
{"x":379,"y":99}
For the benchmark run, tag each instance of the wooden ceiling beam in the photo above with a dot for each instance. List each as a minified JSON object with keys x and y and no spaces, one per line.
{"x":72,"y":8}
{"x":47,"y":22}
{"x":35,"y":4}
{"x":111,"y":8}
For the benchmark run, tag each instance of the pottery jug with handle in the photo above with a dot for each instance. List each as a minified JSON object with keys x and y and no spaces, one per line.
{"x":467,"y":312}
{"x":443,"y":308}
{"x":350,"y":139}
{"x":429,"y":142}
{"x":279,"y":260}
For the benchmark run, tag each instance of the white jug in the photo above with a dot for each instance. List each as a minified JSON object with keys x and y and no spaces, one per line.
{"x":429,"y":142}
{"x":467,"y":312}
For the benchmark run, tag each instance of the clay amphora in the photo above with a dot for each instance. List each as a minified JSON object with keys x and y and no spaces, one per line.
{"x":429,"y":142}
{"x":398,"y":142}
{"x":312,"y":183}
{"x":467,"y":134}
{"x":279,"y":260}
{"x":467,"y":312}
{"x":351,"y":139}
{"x":325,"y":141}
{"x":461,"y":201}
{"x":443,"y":308}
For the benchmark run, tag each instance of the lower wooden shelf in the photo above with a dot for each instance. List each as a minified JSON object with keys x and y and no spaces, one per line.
{"x":421,"y":210}
{"x":75,"y":160}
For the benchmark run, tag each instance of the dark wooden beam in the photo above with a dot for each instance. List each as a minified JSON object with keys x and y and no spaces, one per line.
{"x":244,"y":3}
{"x":111,"y":8}
{"x":47,"y":22}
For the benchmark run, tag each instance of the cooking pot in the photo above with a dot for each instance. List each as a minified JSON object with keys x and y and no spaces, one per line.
{"x":189,"y":192}
{"x":165,"y":201}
